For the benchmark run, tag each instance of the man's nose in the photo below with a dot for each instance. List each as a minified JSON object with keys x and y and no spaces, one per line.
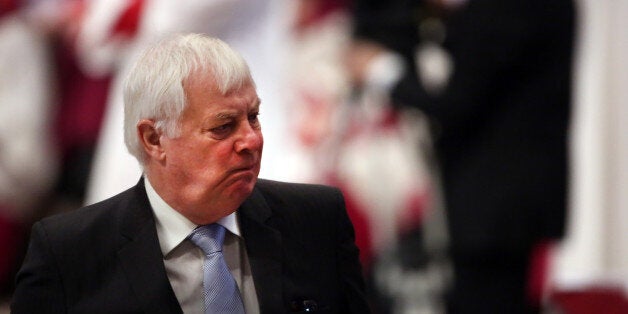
{"x":249,"y":138}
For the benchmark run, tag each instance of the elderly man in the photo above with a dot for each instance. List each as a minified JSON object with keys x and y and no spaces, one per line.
{"x":191,"y":120}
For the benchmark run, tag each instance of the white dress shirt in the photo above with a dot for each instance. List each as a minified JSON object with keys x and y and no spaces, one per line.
{"x":184,"y":260}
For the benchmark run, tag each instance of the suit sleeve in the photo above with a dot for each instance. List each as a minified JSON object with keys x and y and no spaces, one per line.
{"x":349,"y":268}
{"x":38,"y":283}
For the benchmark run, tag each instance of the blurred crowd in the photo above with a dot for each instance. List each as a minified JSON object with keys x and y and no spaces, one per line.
{"x":444,"y":122}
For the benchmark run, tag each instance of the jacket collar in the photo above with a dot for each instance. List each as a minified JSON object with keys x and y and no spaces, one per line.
{"x":140,"y":255}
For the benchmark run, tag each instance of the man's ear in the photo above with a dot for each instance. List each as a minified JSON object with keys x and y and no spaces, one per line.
{"x":150,"y":138}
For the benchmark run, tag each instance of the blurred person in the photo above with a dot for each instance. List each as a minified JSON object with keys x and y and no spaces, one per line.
{"x":350,"y":139}
{"x":317,"y":84}
{"x":499,"y":104}
{"x":192,"y":122}
{"x":80,"y":102}
{"x":345,"y":138}
{"x":256,"y":28}
{"x":27,"y":156}
{"x":317,"y":89}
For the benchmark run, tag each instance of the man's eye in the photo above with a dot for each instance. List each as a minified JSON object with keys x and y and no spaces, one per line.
{"x":254,"y":118}
{"x":222,"y":130}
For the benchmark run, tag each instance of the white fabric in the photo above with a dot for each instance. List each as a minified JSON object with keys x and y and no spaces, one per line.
{"x":595,"y":251}
{"x":27,"y":158}
{"x":385,"y":71}
{"x":98,"y":53}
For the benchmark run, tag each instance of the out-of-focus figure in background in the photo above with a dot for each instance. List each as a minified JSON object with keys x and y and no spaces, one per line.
{"x":498,"y":98}
{"x":353,"y":139}
{"x":28,"y":161}
{"x":79,"y":103}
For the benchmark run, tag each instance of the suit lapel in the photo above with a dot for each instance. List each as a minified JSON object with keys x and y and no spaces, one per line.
{"x":141,"y":257}
{"x":263,"y":246}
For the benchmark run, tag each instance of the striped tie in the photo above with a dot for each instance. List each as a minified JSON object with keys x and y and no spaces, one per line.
{"x":219,"y":288}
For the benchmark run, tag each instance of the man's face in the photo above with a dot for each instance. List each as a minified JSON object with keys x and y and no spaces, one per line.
{"x":212,"y":166}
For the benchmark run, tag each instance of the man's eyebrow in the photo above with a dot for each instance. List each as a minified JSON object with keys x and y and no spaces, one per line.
{"x":257,"y":103}
{"x":226,"y":115}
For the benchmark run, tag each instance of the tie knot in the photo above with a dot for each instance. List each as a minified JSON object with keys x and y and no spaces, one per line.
{"x":209,"y":238}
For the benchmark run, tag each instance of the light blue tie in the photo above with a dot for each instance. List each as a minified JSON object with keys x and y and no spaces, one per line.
{"x":219,"y":288}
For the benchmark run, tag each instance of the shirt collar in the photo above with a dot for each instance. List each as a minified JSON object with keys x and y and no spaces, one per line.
{"x":172,"y":227}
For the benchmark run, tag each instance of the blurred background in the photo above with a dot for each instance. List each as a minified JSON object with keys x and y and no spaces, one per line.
{"x":481,"y":145}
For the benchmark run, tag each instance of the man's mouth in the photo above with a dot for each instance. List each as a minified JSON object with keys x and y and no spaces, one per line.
{"x":248,"y":167}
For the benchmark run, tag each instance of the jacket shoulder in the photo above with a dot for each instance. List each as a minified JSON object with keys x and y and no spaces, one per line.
{"x":308,"y":201}
{"x":296,"y":190}
{"x":89,"y":222}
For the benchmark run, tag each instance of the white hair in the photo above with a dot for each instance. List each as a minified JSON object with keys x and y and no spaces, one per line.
{"x":154,"y":88}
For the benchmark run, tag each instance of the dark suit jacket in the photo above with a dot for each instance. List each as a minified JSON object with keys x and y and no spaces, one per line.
{"x":105,"y":258}
{"x":501,"y":124}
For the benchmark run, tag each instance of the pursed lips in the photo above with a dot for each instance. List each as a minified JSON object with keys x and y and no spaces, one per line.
{"x":247,"y":167}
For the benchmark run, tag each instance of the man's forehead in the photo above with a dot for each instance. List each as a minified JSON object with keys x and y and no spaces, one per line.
{"x":223,"y":111}
{"x":249,"y":103}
